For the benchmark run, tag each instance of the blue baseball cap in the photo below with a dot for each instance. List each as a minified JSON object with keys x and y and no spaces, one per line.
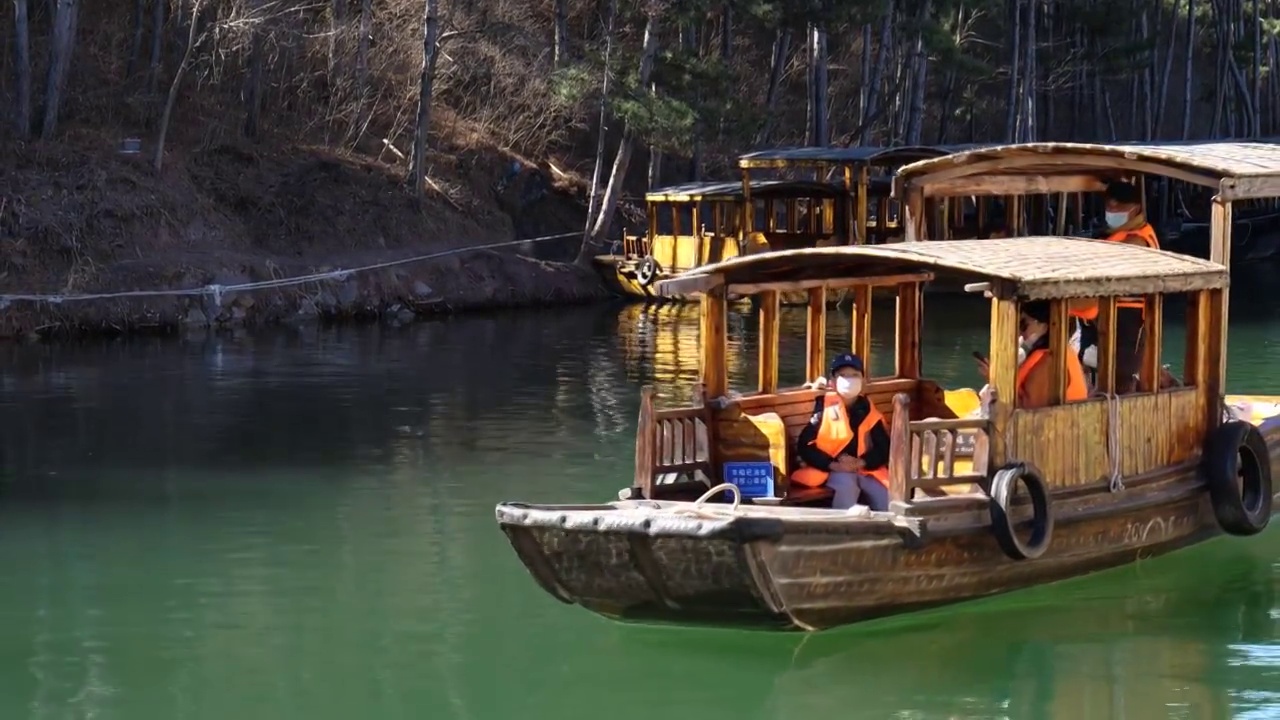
{"x":846,"y":360}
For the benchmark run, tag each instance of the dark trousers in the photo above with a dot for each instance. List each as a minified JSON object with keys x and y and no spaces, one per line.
{"x":1129,"y":345}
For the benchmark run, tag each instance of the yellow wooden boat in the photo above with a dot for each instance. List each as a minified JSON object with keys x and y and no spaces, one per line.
{"x":1047,"y":492}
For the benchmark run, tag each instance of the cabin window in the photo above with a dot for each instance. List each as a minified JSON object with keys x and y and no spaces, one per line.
{"x":1167,"y":353}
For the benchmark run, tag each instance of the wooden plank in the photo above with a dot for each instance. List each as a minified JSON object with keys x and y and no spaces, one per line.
{"x":915,"y":222}
{"x":830,"y":284}
{"x":1153,"y":338}
{"x":861,"y":325}
{"x":645,"y":438}
{"x":816,"y":334}
{"x":1220,"y":252}
{"x":770,"y":332}
{"x":1003,"y":358}
{"x":918,"y":426}
{"x":714,"y":344}
{"x":1059,"y":347}
{"x":900,"y":435}
{"x":1106,"y":322}
{"x":1193,"y":362}
{"x":998,"y":185}
{"x":1215,"y":355}
{"x":1041,"y":164}
{"x":689,"y":284}
{"x":907,"y":330}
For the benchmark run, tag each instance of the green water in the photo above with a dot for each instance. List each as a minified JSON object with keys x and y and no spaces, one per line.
{"x":300,"y":525}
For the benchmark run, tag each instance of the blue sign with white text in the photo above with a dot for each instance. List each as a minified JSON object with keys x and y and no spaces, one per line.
{"x":754,"y":479}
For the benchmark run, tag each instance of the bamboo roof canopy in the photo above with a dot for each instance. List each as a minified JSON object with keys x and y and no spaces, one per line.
{"x":1238,"y":170}
{"x":873,"y":155}
{"x":731,"y":191}
{"x":1029,"y":268}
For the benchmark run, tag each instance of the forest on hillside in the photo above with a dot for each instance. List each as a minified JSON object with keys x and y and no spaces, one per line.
{"x":682,"y":86}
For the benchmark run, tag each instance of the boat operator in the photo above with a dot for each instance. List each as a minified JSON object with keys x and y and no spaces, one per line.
{"x":1126,"y":223}
{"x":845,"y":446}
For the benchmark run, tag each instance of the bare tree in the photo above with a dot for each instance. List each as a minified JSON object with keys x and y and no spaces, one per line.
{"x":603,"y":220}
{"x":61,"y":48}
{"x":561,"y":39}
{"x":188,"y":55}
{"x":22,"y":59}
{"x":426,"y":84}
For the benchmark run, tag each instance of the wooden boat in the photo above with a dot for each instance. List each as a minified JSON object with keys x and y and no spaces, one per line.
{"x":785,"y":215}
{"x":1108,"y":480}
{"x":866,"y":173}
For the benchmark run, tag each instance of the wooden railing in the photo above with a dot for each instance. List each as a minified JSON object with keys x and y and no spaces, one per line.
{"x":923,"y":453}
{"x":672,"y":446}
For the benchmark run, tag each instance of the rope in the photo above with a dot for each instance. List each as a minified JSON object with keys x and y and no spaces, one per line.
{"x":217,"y":291}
{"x":1113,"y":441}
{"x":697,"y":510}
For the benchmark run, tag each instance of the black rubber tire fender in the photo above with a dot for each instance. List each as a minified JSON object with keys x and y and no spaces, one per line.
{"x":1003,"y":484}
{"x":1237,"y":469}
{"x":647,"y":270}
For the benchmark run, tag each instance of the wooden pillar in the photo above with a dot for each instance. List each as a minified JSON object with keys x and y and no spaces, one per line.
{"x":747,"y":222}
{"x":915,"y":224}
{"x":816,"y":334}
{"x":651,"y":210}
{"x":646,"y":441}
{"x":861,"y":340}
{"x":907,"y":331}
{"x":793,"y":208}
{"x":900,"y":448}
{"x":1153,"y":338}
{"x":1106,"y":322}
{"x":859,"y":204}
{"x":1060,"y":224}
{"x":715,"y":311}
{"x":1194,"y":361}
{"x":1214,"y":350}
{"x":1059,"y":348}
{"x":1220,"y":252}
{"x":770,"y":305}
{"x":1004,"y":371}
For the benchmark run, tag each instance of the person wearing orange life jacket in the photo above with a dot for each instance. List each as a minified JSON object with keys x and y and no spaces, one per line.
{"x":1127,"y":224}
{"x":1035,"y":375}
{"x":845,"y":446}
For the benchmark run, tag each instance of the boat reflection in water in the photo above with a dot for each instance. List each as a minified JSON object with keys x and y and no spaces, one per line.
{"x":1189,"y":636}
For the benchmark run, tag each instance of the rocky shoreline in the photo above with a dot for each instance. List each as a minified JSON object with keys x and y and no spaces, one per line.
{"x":468,"y":281}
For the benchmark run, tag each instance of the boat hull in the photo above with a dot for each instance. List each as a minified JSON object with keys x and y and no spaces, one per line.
{"x":619,"y":274}
{"x":791,"y":569}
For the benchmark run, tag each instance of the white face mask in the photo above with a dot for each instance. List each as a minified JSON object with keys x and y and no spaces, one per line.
{"x":1116,"y":219}
{"x":848,"y":387}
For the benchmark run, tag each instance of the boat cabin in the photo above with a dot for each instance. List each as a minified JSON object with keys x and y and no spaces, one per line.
{"x":864,"y":173}
{"x":698,"y":223}
{"x":1087,"y":445}
{"x":1056,"y":187}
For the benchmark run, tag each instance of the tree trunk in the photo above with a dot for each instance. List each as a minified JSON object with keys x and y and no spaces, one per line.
{"x":781,"y":49}
{"x":561,"y":39}
{"x":1188,"y":70}
{"x":877,"y":71}
{"x":817,"y":106}
{"x":726,"y":32}
{"x":655,"y":167}
{"x":593,"y":197}
{"x":919,"y":75}
{"x":362,"y":48}
{"x":253,"y":83}
{"x":1015,"y":59}
{"x":62,"y":45}
{"x":1029,"y":76}
{"x":157,"y":47}
{"x":135,"y":41}
{"x":1148,"y":102}
{"x":1162,"y":92}
{"x":22,"y":58}
{"x":190,"y":45}
{"x":337,"y":27}
{"x":426,"y":85}
{"x":604,"y":214}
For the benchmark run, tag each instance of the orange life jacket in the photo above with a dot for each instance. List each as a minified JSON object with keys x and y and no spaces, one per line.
{"x":834,"y":435}
{"x":1148,"y":236}
{"x":1077,"y":388}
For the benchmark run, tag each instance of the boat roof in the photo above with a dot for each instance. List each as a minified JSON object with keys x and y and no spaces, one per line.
{"x":724,"y":190}
{"x":1238,"y":170}
{"x":872,"y":155}
{"x":1028,"y":268}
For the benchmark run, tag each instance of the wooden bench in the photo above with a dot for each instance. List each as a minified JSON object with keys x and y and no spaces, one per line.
{"x":738,"y":438}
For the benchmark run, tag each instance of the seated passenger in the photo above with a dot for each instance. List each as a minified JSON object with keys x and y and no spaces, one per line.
{"x":1034,"y":375}
{"x":846,"y":443}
